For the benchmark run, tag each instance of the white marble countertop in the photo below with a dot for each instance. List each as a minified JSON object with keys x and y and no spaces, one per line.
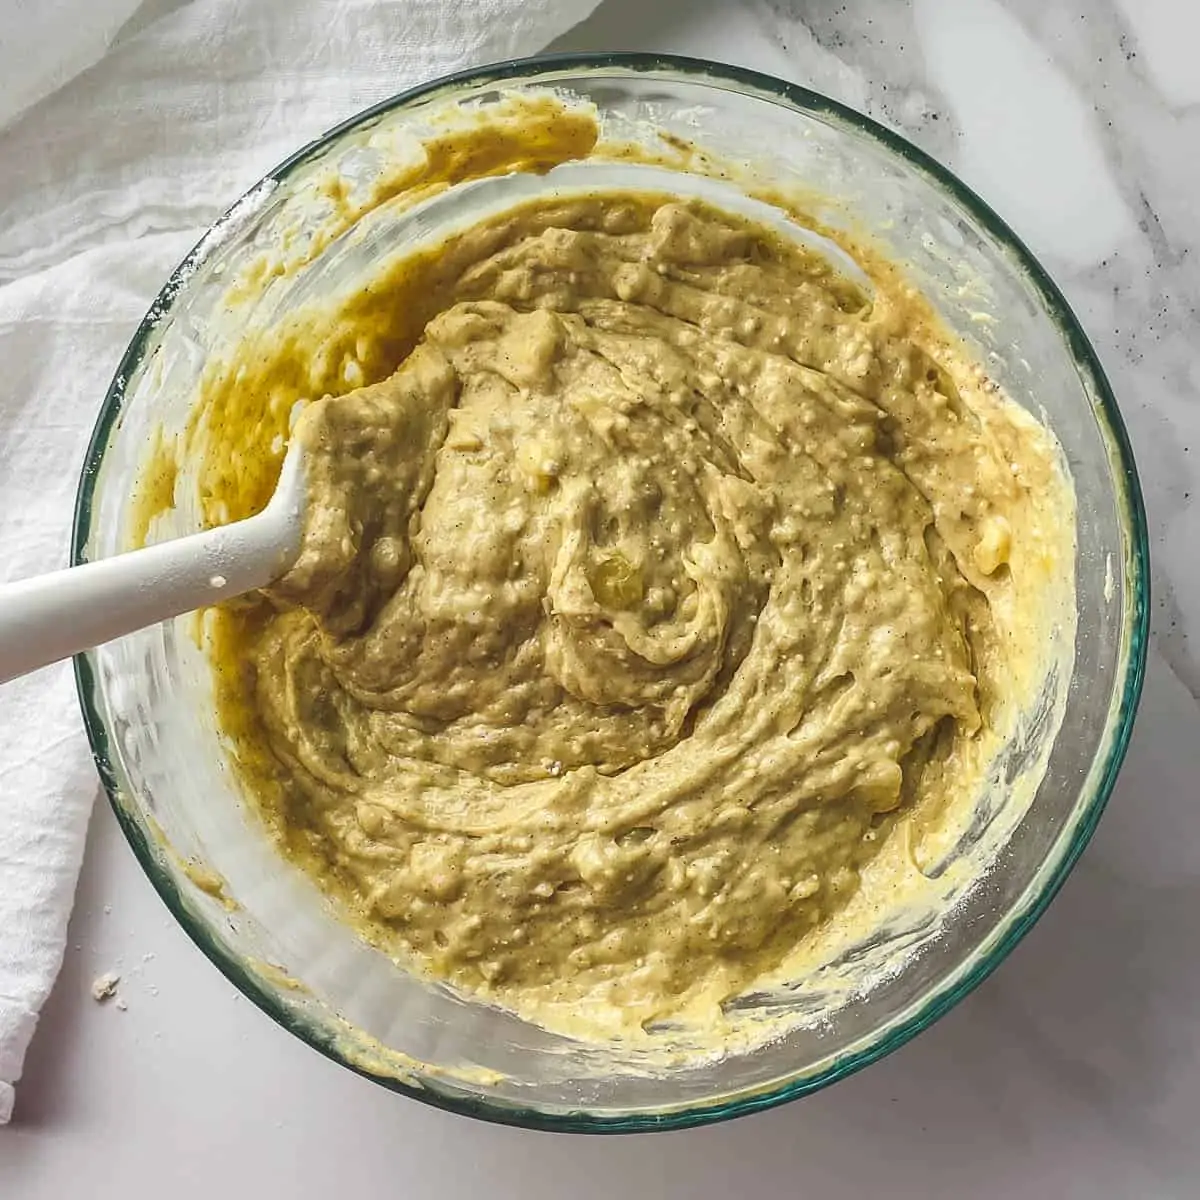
{"x":1075,"y":1070}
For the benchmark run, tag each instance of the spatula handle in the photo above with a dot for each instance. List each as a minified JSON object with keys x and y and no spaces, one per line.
{"x":53,"y":616}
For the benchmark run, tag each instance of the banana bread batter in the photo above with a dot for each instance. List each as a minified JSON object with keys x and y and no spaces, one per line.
{"x":666,"y":579}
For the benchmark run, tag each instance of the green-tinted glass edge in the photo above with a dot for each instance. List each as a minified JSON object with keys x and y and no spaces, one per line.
{"x":1136,"y":570}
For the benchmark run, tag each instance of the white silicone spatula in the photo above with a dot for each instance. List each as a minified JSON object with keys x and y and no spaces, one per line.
{"x":53,"y":616}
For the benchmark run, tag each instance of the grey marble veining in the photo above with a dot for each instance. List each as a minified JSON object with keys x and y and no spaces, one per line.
{"x":1080,"y":123}
{"x":1075,"y":1070}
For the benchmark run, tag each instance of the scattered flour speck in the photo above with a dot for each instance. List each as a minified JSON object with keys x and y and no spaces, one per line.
{"x":104,"y":986}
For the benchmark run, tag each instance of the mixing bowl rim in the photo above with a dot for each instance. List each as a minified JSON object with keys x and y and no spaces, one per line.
{"x":945,"y":995}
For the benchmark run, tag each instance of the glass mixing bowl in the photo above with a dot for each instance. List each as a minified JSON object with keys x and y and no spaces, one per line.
{"x":147,"y":699}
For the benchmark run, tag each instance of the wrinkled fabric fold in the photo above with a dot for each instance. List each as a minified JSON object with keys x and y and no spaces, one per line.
{"x":124,"y":132}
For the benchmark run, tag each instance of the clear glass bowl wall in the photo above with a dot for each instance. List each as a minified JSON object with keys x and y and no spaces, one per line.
{"x":147,"y":698}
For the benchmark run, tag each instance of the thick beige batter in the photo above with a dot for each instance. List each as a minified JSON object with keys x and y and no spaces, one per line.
{"x":662,"y":579}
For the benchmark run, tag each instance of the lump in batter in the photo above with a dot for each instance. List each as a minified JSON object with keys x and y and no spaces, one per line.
{"x":663,"y":576}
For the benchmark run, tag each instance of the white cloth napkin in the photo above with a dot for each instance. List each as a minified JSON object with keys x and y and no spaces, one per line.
{"x":124,"y":131}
